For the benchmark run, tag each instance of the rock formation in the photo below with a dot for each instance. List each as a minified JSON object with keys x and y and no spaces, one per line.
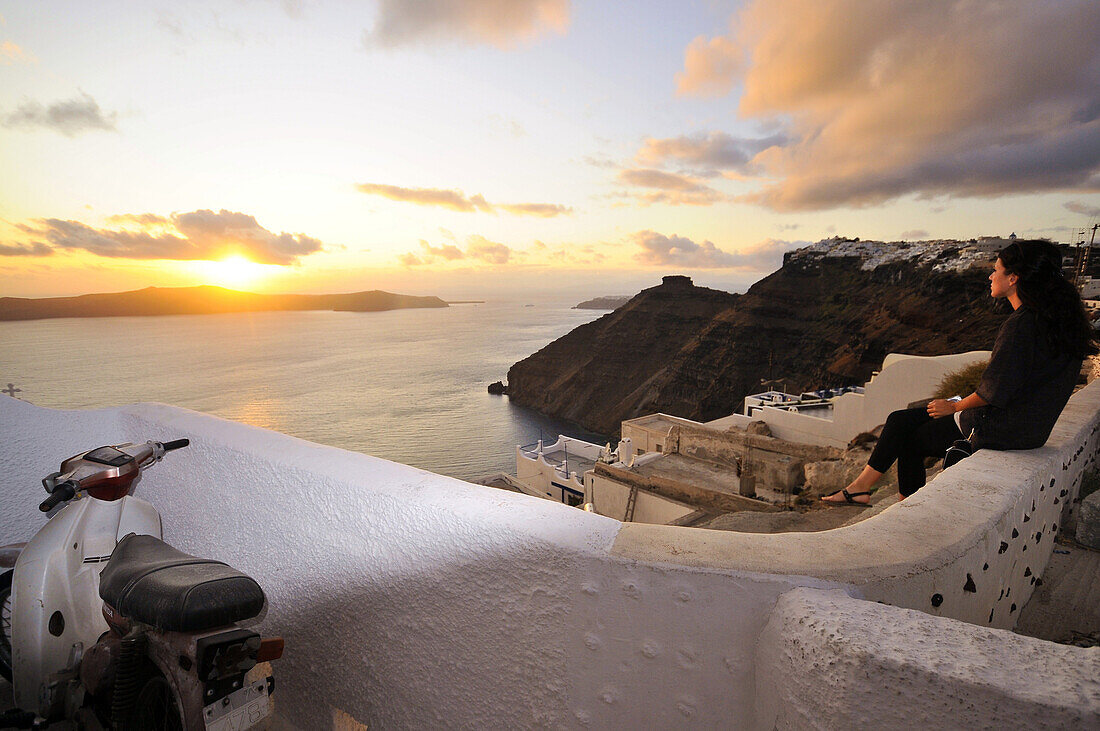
{"x":602,"y":303}
{"x":603,"y":371}
{"x":822,"y":320}
{"x":201,"y":301}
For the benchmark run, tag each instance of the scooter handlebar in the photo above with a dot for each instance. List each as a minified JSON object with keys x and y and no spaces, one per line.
{"x":176,"y":444}
{"x":65,"y":491}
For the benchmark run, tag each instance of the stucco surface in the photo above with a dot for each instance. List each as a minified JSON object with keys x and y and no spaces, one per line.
{"x":411,"y":600}
{"x":902,"y":380}
{"x":828,"y":661}
{"x":969,"y":545}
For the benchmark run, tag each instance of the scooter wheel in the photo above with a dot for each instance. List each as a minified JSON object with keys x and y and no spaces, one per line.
{"x":155,"y":707}
{"x":5,"y":624}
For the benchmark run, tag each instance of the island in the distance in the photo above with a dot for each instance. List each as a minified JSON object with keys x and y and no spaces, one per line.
{"x":204,"y":300}
{"x":603,"y":303}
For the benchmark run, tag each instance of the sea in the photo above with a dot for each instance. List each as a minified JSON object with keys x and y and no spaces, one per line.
{"x":405,"y":385}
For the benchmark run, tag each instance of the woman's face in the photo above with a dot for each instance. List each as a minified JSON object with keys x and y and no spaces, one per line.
{"x":1001,"y":283}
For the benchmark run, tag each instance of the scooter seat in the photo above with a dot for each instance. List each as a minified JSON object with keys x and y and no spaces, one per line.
{"x":149,"y":581}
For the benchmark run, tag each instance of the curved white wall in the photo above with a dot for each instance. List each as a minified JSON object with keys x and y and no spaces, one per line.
{"x":411,"y":600}
{"x":902,"y":380}
{"x":828,"y":661}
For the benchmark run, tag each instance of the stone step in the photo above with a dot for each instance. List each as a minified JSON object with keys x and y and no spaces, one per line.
{"x":1067,"y":605}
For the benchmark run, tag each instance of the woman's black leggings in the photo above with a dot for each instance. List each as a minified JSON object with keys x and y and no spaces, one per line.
{"x":909,"y":436}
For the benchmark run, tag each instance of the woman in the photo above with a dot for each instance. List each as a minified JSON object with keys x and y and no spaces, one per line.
{"x":1035,"y":364}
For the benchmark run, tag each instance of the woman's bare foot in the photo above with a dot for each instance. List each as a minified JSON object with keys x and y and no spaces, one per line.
{"x":858,"y":492}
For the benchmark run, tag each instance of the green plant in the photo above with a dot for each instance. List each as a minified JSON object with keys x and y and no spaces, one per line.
{"x":962,"y":382}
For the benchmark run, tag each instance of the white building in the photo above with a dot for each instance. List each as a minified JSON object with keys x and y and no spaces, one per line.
{"x":556,"y":472}
{"x":834,"y":421}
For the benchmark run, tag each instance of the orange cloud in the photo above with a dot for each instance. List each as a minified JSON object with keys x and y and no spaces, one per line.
{"x":11,"y":53}
{"x":197,"y":235}
{"x":707,"y":153}
{"x":456,"y":200}
{"x":35,"y":249}
{"x":500,"y":23}
{"x":710,"y":67}
{"x":669,"y":188}
{"x":932,"y":98}
{"x":488,"y":251}
{"x":143,"y":220}
{"x":477,"y":247}
{"x":677,"y":251}
{"x":542,"y":210}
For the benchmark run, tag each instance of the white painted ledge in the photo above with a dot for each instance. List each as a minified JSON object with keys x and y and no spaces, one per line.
{"x":826,"y":660}
{"x":411,"y":600}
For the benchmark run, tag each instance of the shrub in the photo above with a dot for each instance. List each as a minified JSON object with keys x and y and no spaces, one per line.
{"x":962,"y":382}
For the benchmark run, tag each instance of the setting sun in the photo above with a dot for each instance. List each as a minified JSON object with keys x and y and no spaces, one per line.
{"x":233,"y":271}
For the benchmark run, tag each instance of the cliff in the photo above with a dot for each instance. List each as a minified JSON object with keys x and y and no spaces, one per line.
{"x":602,"y":303}
{"x":201,"y":301}
{"x":819,"y":321}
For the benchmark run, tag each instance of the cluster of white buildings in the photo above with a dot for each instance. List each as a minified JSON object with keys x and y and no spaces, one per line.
{"x":564,"y":471}
{"x":961,"y":254}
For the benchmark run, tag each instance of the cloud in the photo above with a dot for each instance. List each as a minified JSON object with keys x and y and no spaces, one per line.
{"x":669,"y":188}
{"x":456,"y":200}
{"x":479,"y":247}
{"x":35,"y":249}
{"x":11,"y":53}
{"x":140,"y":219}
{"x":198,"y":235}
{"x":710,"y":67}
{"x":500,"y":23}
{"x":448,"y":252}
{"x":918,"y":234}
{"x":1083,"y":208}
{"x":677,"y":251}
{"x":708,"y":152}
{"x":453,"y":199}
{"x":947,"y":97}
{"x":71,"y":117}
{"x":543,"y":210}
{"x":600,"y":162}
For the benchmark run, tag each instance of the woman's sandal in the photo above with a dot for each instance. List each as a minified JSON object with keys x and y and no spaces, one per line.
{"x":848,"y":499}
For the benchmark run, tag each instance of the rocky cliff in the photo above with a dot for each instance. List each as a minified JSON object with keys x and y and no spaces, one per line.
{"x":821,"y":320}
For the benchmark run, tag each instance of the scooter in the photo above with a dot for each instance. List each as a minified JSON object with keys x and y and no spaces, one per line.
{"x":105,"y":625}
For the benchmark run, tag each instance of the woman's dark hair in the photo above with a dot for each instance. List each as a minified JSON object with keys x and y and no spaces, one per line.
{"x":1042,"y":287}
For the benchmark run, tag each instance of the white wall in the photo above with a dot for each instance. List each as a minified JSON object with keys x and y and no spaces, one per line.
{"x":411,"y":600}
{"x":650,"y":433}
{"x":902,"y":380}
{"x":610,"y":498}
{"x":882,"y":667}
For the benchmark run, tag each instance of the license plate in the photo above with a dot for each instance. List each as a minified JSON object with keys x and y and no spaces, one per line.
{"x":241,"y":709}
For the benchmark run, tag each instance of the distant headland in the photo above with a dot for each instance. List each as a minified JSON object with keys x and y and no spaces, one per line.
{"x":603,"y":303}
{"x":204,"y":300}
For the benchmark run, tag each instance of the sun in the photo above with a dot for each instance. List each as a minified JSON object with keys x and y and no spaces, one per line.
{"x":233,"y":271}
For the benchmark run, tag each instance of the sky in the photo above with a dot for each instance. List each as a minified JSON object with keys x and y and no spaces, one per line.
{"x":475,"y":148}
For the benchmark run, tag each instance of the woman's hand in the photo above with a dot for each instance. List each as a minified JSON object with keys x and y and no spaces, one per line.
{"x":941,"y":407}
